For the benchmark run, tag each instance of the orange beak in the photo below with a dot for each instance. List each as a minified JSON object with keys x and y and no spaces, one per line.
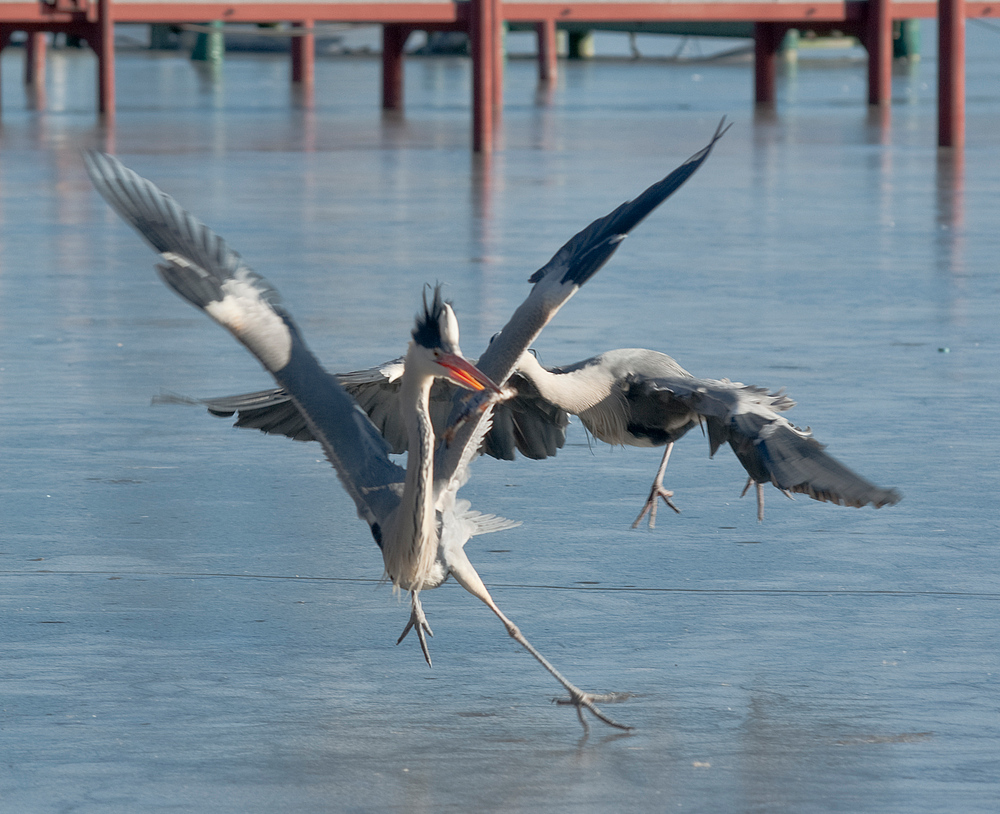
{"x":466,"y":374}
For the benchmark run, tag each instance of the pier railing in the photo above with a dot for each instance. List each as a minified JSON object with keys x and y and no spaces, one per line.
{"x":869,"y":20}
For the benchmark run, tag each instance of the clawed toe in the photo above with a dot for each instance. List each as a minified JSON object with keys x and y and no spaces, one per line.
{"x":418,"y":623}
{"x":582,"y":700}
{"x":652,"y":504}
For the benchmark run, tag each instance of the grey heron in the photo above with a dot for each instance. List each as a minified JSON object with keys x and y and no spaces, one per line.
{"x":414,"y":514}
{"x":523,"y":422}
{"x":630,"y":396}
{"x":644,"y":398}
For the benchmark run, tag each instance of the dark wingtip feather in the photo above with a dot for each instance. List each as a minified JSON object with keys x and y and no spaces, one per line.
{"x":796,"y":462}
{"x":875,"y":497}
{"x":588,"y":250}
{"x":172,"y":232}
{"x":886,"y":497}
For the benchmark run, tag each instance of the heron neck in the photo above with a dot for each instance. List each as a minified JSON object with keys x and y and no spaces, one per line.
{"x":411,"y":554}
{"x":574,"y":391}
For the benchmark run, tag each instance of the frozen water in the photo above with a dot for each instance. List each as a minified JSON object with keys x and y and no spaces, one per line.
{"x":191,"y":615}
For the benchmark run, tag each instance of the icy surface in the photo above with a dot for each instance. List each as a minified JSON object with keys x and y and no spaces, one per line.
{"x":190,"y":615}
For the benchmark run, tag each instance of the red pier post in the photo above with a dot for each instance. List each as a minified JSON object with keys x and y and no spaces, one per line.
{"x":393,"y":42}
{"x":951,"y":73}
{"x":34,"y":58}
{"x":548,"y":65}
{"x":878,"y":42}
{"x":304,"y":59}
{"x":5,"y":32}
{"x":766,"y":42}
{"x":483,"y":39}
{"x":105,"y":59}
{"x":34,"y":68}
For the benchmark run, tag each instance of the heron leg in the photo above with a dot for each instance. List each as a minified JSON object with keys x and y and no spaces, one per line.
{"x":657,"y":491}
{"x":418,"y":622}
{"x":468,"y":578}
{"x":760,"y":497}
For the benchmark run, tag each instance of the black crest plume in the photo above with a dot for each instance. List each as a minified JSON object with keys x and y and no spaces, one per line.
{"x":427,"y":332}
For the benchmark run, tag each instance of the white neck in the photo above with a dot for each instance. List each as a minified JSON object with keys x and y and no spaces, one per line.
{"x":410,"y":548}
{"x":575,"y":391}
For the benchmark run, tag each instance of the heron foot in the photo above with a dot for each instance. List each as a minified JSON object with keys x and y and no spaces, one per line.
{"x":418,"y":623}
{"x":586,"y":700}
{"x":577,"y":697}
{"x":652,"y":503}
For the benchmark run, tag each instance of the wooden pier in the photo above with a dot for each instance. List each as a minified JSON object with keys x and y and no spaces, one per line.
{"x":870,"y":21}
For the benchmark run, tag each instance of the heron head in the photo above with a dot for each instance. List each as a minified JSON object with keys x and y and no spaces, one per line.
{"x":436,"y":334}
{"x":437,"y":326}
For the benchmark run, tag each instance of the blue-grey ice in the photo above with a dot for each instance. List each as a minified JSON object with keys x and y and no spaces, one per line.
{"x":191,"y":617}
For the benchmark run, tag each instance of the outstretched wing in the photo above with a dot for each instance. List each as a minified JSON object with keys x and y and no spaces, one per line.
{"x":524,"y":423}
{"x":201,"y":268}
{"x":271,"y":411}
{"x":770,"y":448}
{"x":576,"y":262}
{"x":554,"y":283}
{"x":275,"y":412}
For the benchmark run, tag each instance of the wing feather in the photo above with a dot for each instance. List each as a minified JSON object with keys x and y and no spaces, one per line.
{"x":200,"y":267}
{"x":525,"y":423}
{"x":770,"y":448}
{"x":574,"y":264}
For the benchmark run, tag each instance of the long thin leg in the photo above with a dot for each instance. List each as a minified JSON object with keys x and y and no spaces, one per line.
{"x":657,"y":491}
{"x":468,"y":578}
{"x":418,"y":622}
{"x":760,"y":497}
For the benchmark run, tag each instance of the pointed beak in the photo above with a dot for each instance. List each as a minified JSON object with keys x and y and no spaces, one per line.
{"x":466,"y":374}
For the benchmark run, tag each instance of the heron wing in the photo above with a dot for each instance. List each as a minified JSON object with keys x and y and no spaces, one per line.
{"x":769,"y":447}
{"x":271,"y":411}
{"x":528,"y":423}
{"x":574,"y":264}
{"x":525,"y":423}
{"x":580,"y":258}
{"x":201,"y":268}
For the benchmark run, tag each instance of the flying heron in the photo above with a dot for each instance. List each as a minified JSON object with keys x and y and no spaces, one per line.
{"x":643,"y":398}
{"x":630,"y":396}
{"x":522,"y":422}
{"x":414,"y":514}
